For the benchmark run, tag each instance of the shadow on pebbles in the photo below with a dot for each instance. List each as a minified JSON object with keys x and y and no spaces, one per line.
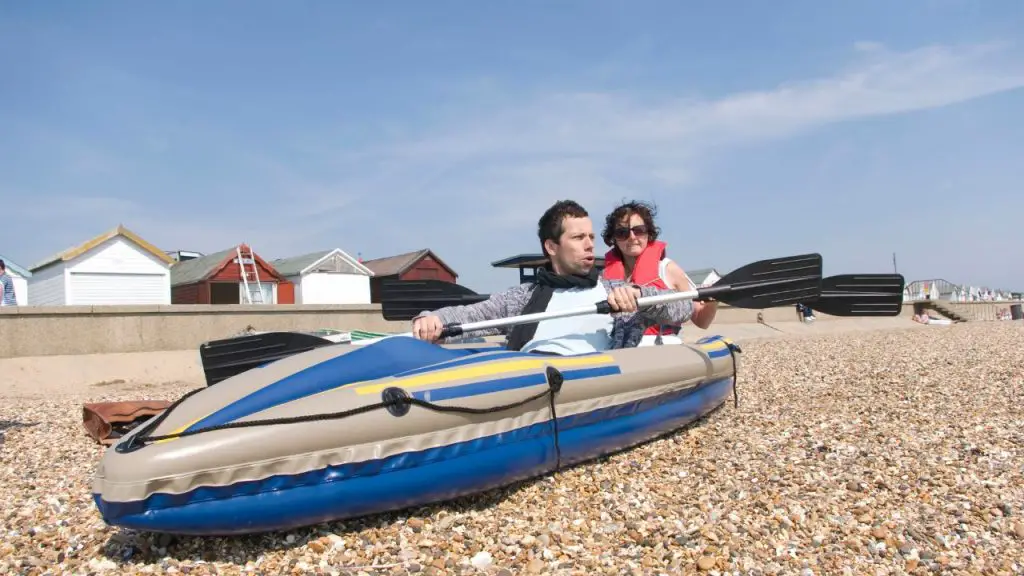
{"x":863,"y":453}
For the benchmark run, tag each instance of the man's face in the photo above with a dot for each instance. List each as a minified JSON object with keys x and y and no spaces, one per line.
{"x":574,"y":253}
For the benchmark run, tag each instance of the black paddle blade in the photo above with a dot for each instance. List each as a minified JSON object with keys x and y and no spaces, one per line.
{"x":769,"y":283}
{"x":860,"y":295}
{"x":225,"y":358}
{"x":404,"y":299}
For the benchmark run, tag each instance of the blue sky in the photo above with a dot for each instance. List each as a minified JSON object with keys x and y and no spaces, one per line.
{"x":760,"y":129}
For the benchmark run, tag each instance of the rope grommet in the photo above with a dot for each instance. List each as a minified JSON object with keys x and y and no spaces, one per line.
{"x":397,"y":400}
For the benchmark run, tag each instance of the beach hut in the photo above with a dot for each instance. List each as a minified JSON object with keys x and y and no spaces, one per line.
{"x":418,"y":265}
{"x":115,"y":268}
{"x":326,"y":277}
{"x":236,"y":275}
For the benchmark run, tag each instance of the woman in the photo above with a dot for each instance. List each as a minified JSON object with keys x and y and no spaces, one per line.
{"x":637,"y":256}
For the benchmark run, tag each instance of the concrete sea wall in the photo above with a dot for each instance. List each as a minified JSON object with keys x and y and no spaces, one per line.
{"x":61,"y":330}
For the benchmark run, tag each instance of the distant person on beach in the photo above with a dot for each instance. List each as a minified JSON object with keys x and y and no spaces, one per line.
{"x":922,"y":316}
{"x":7,"y":287}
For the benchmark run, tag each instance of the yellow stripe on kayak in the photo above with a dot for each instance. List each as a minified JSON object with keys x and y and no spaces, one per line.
{"x":481,"y":370}
{"x":182,"y":429}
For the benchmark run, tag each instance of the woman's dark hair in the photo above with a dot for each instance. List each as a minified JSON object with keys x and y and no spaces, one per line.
{"x":644,"y":210}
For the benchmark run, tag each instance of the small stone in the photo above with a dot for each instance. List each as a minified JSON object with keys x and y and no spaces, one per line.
{"x":318,"y":546}
{"x":706,"y":563}
{"x":535,"y":566}
{"x":482,"y":560}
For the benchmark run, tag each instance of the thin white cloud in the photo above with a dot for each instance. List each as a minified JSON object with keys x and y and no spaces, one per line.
{"x":603,"y":146}
{"x":881,"y":82}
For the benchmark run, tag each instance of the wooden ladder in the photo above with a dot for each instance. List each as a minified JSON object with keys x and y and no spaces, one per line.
{"x":250,"y":298}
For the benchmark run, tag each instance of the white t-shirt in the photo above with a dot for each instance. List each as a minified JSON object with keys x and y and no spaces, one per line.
{"x":576,"y":334}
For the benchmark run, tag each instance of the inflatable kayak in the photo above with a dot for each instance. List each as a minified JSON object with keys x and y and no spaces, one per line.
{"x":343,"y":431}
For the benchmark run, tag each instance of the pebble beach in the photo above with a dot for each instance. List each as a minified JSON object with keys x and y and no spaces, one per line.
{"x":874,"y":452}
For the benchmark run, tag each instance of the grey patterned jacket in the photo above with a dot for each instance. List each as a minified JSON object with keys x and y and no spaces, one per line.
{"x":627,"y":329}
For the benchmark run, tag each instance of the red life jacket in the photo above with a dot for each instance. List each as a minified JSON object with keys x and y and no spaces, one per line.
{"x":645,"y":273}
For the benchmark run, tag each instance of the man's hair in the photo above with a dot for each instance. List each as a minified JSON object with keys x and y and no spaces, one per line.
{"x":644,"y":210}
{"x":2,"y":265}
{"x":550,"y":227}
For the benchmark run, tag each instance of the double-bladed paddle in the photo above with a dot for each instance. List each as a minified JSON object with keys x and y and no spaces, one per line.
{"x":764,"y":284}
{"x":860,"y":295}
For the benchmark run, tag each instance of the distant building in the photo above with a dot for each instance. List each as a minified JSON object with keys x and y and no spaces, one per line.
{"x":419,"y":265}
{"x":703,"y":277}
{"x":115,"y":268}
{"x":326,"y":277}
{"x":182,"y":255}
{"x":20,"y":278}
{"x":217,"y":279}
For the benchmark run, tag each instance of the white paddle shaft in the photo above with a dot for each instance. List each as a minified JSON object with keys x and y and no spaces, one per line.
{"x":566,"y":313}
{"x":644,"y":302}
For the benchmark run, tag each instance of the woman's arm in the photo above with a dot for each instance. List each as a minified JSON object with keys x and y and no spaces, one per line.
{"x":703,"y":312}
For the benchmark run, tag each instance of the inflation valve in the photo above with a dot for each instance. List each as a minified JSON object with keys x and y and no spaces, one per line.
{"x":396,"y":399}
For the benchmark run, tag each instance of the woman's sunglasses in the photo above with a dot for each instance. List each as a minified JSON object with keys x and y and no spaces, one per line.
{"x":623,"y":233}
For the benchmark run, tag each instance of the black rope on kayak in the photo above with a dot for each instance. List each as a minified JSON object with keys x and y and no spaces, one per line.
{"x":733,"y":349}
{"x":396,"y":401}
{"x":144,"y":430}
{"x":555,"y":380}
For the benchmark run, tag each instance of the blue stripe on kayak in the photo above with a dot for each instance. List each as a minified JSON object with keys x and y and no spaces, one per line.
{"x":477,"y":388}
{"x":414,"y":478}
{"x":505,"y":384}
{"x":717,"y":353}
{"x":369,"y":362}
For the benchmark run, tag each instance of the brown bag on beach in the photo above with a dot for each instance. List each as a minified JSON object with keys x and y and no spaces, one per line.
{"x":106,"y":422}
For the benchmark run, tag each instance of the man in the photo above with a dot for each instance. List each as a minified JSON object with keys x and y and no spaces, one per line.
{"x":568,"y":281}
{"x":6,"y":287}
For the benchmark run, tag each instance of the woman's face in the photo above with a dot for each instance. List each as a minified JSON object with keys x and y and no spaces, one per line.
{"x":631,"y":235}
